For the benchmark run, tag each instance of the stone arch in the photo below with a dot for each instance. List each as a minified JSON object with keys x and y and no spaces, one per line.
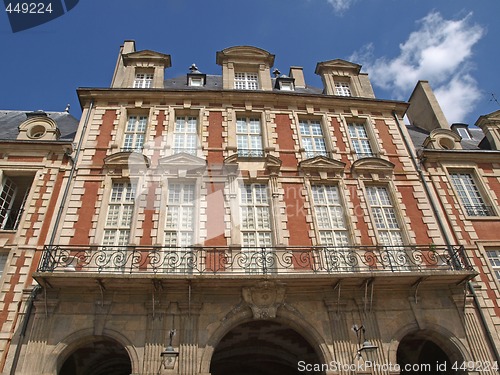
{"x":439,"y":335}
{"x":241,"y":315}
{"x":78,"y":339}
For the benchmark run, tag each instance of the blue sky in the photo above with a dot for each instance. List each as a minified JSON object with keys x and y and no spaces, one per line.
{"x":451,"y":43}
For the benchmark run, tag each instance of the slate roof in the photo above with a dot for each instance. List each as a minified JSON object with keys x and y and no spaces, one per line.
{"x":214,"y":82}
{"x":419,"y":135}
{"x":10,"y":121}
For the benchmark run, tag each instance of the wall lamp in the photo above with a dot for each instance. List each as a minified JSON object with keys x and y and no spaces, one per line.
{"x":365,"y":347}
{"x":169,"y":355}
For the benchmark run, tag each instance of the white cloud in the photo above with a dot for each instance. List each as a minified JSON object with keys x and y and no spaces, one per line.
{"x":458,"y":97}
{"x":440,"y":51}
{"x":340,"y":6}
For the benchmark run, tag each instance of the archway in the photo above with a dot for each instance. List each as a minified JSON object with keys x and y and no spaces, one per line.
{"x":99,"y":356}
{"x":422,"y":352}
{"x":262,"y":347}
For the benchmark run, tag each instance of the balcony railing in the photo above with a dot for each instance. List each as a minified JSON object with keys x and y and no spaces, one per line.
{"x":309,"y":154}
{"x":250,"y":153}
{"x":479,"y":210}
{"x":362,"y":155}
{"x":237,"y":260}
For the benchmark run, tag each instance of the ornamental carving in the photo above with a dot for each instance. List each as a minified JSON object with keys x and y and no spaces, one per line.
{"x":264,"y":299}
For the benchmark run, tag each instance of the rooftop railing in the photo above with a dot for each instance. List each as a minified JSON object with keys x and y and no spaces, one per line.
{"x":252,"y":260}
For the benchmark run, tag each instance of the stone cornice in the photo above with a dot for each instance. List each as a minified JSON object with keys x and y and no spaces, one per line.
{"x":275,"y":98}
{"x":470,"y":155}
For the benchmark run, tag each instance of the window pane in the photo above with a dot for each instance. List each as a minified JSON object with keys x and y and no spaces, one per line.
{"x":312,"y":138}
{"x":384,"y":216}
{"x":329,"y":215}
{"x":255,"y":215}
{"x":359,"y":140}
{"x":470,"y":195}
{"x":119,"y":215}
{"x":180,"y":214}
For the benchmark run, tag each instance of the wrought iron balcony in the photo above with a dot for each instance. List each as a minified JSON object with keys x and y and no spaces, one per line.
{"x":479,"y":210}
{"x":309,"y":154}
{"x":185,"y":150}
{"x":362,"y":155}
{"x":250,"y":153}
{"x":132,"y":149}
{"x":238,"y":260}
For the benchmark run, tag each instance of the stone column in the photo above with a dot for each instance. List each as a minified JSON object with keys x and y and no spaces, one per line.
{"x":188,"y":338}
{"x":156,"y":339}
{"x":33,"y":355}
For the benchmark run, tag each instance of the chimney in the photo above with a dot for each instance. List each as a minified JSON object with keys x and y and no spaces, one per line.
{"x":118,"y":76}
{"x":424,"y":110}
{"x":297,"y":73}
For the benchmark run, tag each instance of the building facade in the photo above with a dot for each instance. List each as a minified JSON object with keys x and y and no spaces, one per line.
{"x":256,"y":225}
{"x":35,"y":149}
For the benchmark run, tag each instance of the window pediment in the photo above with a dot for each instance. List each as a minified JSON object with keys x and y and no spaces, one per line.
{"x":271,"y":163}
{"x":133,"y":161}
{"x":156,"y":58}
{"x":245,"y":53}
{"x":182,"y":163}
{"x":322,"y":165}
{"x":373,"y":167}
{"x":337,"y":65}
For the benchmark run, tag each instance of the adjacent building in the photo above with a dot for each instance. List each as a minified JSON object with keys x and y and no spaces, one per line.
{"x":247,"y":223}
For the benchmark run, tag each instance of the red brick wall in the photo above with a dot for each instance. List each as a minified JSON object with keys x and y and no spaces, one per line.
{"x":104,"y":137}
{"x":285,"y":140}
{"x":85,"y":213}
{"x":215,"y":138}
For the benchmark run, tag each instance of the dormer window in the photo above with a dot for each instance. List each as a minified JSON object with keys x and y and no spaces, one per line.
{"x":143,"y":80}
{"x":38,"y":126}
{"x":246,"y":68}
{"x":342,"y":89}
{"x":283,"y":82}
{"x":286,"y":86}
{"x":246,"y":81}
{"x":195,"y":81}
{"x":195,"y":77}
{"x":464,"y":133}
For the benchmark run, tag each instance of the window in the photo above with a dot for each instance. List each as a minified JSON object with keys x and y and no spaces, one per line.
{"x":135,"y":133}
{"x":246,"y":81}
{"x":494,"y":258}
{"x":3,"y":262}
{"x":196,"y":81}
{"x":179,"y":225}
{"x":332,"y":229}
{"x":342,"y":89}
{"x":312,"y":138}
{"x":470,"y":195}
{"x":119,"y":217}
{"x":255,"y":224}
{"x":384,"y":215}
{"x":13,"y":195}
{"x":249,"y":137}
{"x":359,"y":139}
{"x":329,"y":216}
{"x":286,"y":86}
{"x":185,"y":135}
{"x":180,"y":214}
{"x":143,"y":80}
